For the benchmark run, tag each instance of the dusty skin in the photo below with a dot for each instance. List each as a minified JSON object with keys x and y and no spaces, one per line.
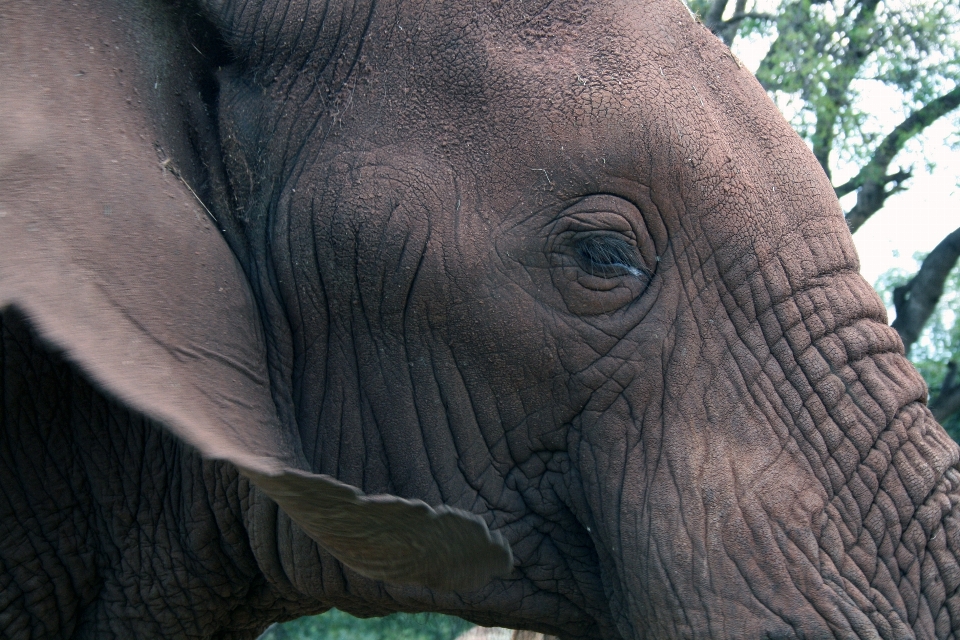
{"x":534,"y":313}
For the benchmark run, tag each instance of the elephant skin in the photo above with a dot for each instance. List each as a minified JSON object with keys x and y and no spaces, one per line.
{"x":536,"y":313}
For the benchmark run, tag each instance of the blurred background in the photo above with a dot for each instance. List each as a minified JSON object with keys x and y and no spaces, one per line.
{"x":874,"y":88}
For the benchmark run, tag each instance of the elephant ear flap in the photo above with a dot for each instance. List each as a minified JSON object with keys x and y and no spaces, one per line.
{"x":119,"y":268}
{"x":141,"y":293}
{"x":116,"y":265}
{"x":389,"y":538}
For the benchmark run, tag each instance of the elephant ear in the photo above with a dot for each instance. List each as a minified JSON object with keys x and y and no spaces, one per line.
{"x":114,"y":262}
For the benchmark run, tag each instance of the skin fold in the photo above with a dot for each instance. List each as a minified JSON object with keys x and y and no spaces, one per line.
{"x":537,"y":314}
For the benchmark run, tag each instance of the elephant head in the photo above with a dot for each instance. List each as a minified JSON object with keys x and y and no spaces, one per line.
{"x":536,"y":313}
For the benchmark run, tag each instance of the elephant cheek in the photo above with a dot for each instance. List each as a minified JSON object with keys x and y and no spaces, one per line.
{"x":708,"y":529}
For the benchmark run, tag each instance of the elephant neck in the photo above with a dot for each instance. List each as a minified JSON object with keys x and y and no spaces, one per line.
{"x":111,"y":508}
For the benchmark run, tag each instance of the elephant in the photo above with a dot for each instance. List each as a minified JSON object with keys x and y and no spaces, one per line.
{"x":533,"y":312}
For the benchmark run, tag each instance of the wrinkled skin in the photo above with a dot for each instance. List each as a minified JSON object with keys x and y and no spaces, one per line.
{"x":558,"y":265}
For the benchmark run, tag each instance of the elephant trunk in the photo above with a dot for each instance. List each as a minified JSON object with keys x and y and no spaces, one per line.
{"x":792,"y":482}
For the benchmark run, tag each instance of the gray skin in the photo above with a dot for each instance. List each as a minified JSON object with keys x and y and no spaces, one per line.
{"x":534,"y":313}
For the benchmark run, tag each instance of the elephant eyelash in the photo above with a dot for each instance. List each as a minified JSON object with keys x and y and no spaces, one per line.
{"x":608,"y":257}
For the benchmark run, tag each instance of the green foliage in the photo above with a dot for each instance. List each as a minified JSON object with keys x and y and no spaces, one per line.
{"x":823,"y":54}
{"x":337,"y":625}
{"x":940,"y":341}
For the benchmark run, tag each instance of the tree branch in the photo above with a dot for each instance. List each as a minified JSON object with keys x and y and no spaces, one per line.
{"x":872,"y":196}
{"x":853,"y":184}
{"x":947,"y":401}
{"x":737,"y":17}
{"x":916,"y":300}
{"x":873,"y":178}
{"x":860,"y":36}
{"x":714,"y":18}
{"x":726,"y":30}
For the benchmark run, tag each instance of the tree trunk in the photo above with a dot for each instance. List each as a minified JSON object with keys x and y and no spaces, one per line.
{"x":947,"y":401}
{"x":916,"y":300}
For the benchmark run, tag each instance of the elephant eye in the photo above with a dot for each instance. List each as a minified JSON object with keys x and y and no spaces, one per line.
{"x":609,"y":256}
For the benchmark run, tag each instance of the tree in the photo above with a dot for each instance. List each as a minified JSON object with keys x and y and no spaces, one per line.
{"x":939,"y":342}
{"x":822,"y":55}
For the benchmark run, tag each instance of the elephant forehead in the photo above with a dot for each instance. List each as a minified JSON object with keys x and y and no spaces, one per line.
{"x":595,"y":60}
{"x":640,"y":79}
{"x":654,"y":97}
{"x":561,"y":96}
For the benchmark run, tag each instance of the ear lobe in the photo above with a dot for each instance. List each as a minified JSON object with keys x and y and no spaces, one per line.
{"x":112,"y":260}
{"x":171,"y":330}
{"x":389,"y":538}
